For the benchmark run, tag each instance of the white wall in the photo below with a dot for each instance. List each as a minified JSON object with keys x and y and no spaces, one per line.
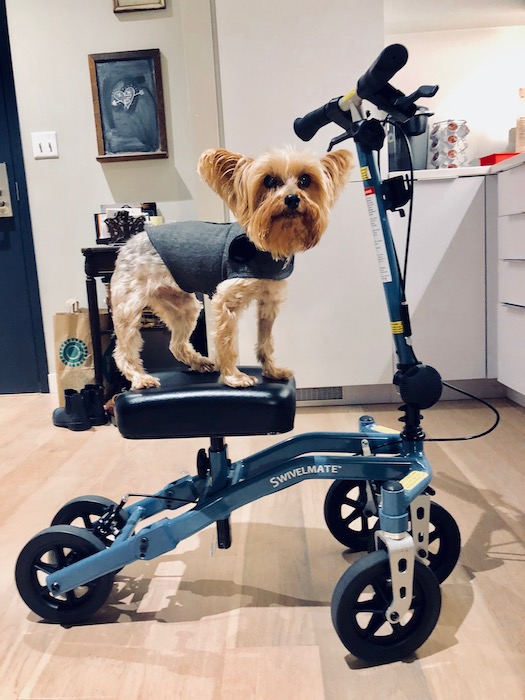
{"x":279,"y":60}
{"x":478,"y":72}
{"x":50,"y":44}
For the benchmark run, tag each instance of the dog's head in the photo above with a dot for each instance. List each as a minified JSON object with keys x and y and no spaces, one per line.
{"x":281,"y":199}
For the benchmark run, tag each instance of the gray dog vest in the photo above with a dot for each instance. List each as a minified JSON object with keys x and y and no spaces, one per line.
{"x":200,"y":255}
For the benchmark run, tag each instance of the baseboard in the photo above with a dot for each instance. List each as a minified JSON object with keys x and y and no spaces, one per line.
{"x":387,"y":393}
{"x":516,"y":397}
{"x":52,"y":382}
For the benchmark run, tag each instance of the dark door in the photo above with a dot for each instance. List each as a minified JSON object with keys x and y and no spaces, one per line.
{"x":23,"y":365}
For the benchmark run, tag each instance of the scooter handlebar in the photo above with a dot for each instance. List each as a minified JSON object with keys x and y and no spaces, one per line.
{"x":307,"y":127}
{"x":386,"y":65}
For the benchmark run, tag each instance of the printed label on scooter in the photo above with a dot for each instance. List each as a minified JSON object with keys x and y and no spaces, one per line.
{"x":329,"y":469}
{"x":365,"y":173}
{"x":377,"y":231}
{"x":411,"y":480}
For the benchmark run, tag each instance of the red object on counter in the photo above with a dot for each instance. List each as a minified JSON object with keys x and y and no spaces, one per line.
{"x":495,"y":158}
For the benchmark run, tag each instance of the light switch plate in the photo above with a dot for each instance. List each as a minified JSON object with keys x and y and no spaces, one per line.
{"x":45,"y":144}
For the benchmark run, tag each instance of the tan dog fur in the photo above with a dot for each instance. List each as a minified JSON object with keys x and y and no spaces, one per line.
{"x":258,"y":203}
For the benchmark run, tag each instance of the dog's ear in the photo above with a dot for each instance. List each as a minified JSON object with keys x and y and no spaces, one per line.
{"x":337,"y":166}
{"x":221,"y":170}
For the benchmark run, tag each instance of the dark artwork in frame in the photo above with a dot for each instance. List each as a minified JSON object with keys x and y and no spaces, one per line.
{"x":128,"y":100}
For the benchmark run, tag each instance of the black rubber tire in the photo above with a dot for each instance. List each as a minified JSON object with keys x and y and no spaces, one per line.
{"x":49,"y":551}
{"x":361,"y":599}
{"x":444,"y":545}
{"x":84,"y":511}
{"x":344,"y":514}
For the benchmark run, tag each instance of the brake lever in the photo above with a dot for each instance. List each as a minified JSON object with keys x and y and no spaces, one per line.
{"x":338,"y":139}
{"x":425,"y":91}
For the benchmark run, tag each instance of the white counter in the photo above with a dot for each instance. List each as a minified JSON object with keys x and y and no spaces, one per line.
{"x":447,"y":173}
{"x":470,"y":171}
{"x":507,"y":164}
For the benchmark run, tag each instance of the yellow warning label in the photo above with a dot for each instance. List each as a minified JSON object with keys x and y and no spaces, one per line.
{"x":411,"y":480}
{"x":397,"y":327}
{"x":384,"y":429}
{"x":365,"y":173}
{"x":348,"y":95}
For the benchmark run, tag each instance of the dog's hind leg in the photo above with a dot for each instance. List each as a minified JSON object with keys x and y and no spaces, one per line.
{"x":126,"y":321}
{"x":180,"y":312}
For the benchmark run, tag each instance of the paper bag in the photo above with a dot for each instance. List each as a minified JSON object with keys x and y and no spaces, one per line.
{"x":74,"y":348}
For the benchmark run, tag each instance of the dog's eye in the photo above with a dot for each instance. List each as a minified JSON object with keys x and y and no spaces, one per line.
{"x":304,"y":181}
{"x":272,"y":182}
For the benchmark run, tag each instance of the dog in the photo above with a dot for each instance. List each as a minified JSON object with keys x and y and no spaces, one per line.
{"x":281,"y":201}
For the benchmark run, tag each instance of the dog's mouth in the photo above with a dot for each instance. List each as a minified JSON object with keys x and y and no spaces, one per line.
{"x":287,"y":215}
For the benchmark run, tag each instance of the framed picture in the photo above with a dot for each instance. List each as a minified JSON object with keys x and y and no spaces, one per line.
{"x":128,"y":100}
{"x":135,"y":5}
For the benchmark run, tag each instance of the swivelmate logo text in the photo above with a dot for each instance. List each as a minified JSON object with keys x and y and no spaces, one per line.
{"x":291,"y":474}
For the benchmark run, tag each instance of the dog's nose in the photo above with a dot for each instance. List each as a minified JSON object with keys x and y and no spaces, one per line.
{"x":292,"y":201}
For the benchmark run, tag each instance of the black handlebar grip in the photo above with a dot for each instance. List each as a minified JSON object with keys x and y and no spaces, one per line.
{"x":386,"y":65}
{"x":307,"y":127}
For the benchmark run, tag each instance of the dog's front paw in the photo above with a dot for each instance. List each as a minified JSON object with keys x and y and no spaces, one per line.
{"x":277,"y":373}
{"x":238,"y":380}
{"x":145,"y":381}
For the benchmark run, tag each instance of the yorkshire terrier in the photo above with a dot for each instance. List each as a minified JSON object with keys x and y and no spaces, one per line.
{"x":282,"y":202}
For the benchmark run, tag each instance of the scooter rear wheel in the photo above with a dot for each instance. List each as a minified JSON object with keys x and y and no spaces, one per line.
{"x":49,"y":551}
{"x":346,"y":516}
{"x":85,"y":511}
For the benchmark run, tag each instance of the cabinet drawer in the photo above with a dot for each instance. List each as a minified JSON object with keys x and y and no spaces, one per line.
{"x":512,"y":282}
{"x":511,"y":191}
{"x":511,"y":347}
{"x":511,"y":237}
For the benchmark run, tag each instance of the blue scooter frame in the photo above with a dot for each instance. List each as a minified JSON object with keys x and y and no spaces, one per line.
{"x":229,"y":487}
{"x":392,"y":461}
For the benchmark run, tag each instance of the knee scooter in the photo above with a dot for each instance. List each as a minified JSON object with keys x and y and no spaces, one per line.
{"x":386,"y":604}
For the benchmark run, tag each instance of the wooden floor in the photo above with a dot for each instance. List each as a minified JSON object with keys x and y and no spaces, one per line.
{"x":254,"y":621}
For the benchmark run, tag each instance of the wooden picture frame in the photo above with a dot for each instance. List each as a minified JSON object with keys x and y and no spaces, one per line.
{"x":128,"y":101}
{"x":137,"y":5}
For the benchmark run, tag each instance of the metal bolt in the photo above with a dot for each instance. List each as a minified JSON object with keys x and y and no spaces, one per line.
{"x":394,"y":617}
{"x":55,"y":587}
{"x":144,"y":543}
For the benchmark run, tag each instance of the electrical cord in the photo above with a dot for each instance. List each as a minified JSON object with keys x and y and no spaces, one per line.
{"x":397,"y":126}
{"x":461,"y":438}
{"x":185,"y":501}
{"x":478,"y":435}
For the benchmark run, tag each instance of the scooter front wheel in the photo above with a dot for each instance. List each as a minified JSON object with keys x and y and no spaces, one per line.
{"x":359,"y":610}
{"x":444,"y":542}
